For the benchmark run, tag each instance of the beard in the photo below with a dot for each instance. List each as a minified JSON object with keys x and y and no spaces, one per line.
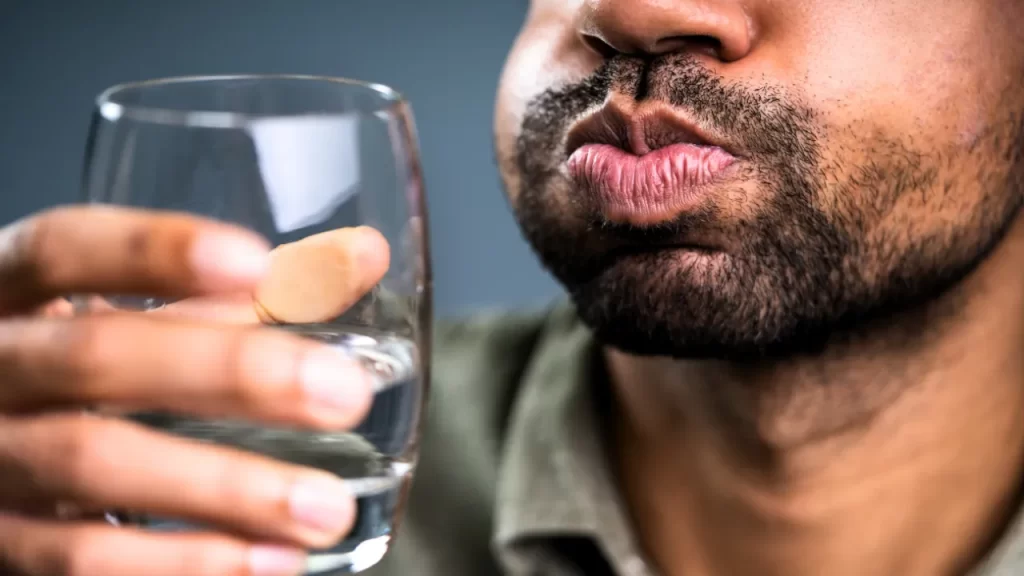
{"x":821,"y":248}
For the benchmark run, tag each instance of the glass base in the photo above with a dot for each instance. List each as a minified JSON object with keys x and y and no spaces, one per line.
{"x":318,"y":563}
{"x":364,"y":556}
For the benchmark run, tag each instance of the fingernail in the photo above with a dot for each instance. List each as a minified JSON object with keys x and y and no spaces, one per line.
{"x":333,"y":380}
{"x":276,"y":561}
{"x":325,"y":505}
{"x":225,"y":257}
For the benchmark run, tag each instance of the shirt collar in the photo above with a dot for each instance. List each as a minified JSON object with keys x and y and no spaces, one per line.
{"x":554,"y":478}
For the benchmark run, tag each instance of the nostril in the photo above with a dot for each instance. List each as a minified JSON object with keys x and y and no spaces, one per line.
{"x":697,"y":44}
{"x":599,"y":46}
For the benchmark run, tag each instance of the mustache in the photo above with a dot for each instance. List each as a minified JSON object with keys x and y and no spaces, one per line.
{"x":779,"y":136}
{"x":768,"y":122}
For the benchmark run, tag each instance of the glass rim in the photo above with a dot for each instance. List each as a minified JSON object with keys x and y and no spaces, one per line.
{"x":391,"y":99}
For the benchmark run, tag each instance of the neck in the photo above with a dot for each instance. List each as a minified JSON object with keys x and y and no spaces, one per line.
{"x":887,"y":454}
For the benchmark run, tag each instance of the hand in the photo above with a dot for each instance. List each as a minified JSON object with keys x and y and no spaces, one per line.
{"x":54,"y":457}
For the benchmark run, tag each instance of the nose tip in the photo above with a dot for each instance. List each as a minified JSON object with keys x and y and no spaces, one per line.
{"x":717,"y":28}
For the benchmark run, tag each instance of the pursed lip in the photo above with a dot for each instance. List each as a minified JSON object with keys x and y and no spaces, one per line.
{"x":643,"y":164}
{"x":640,"y":128}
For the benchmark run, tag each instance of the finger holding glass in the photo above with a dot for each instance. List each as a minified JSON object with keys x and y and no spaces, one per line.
{"x":56,"y":463}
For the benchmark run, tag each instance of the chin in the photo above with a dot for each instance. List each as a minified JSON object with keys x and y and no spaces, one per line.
{"x":685,"y":303}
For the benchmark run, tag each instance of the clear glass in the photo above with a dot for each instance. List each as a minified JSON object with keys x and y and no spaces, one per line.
{"x":290,"y":157}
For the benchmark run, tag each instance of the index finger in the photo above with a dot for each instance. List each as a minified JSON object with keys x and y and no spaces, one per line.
{"x":91,"y":249}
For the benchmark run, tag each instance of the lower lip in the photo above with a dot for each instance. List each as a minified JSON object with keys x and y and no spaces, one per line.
{"x":648,"y":189}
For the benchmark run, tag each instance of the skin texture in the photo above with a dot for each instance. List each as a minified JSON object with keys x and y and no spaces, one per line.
{"x":822,"y":355}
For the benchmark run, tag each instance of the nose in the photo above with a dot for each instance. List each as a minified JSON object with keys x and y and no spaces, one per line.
{"x":651,"y":27}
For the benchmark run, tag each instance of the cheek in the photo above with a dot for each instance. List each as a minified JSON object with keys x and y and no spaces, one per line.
{"x":514,"y":92}
{"x":547,"y":54}
{"x":904,"y":68}
{"x":899,"y":94}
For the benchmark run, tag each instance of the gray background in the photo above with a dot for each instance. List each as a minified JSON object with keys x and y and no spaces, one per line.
{"x":445,"y":55}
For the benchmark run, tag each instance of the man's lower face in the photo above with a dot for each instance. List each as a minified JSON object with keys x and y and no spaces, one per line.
{"x":808,"y":230}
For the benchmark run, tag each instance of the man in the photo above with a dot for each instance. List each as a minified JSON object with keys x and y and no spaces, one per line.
{"x":791,"y":236}
{"x":794,"y":227}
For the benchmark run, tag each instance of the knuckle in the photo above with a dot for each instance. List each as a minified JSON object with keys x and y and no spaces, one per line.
{"x":14,"y":546}
{"x":215,"y":558}
{"x":138,"y":243}
{"x":80,"y":445}
{"x":233,"y":494}
{"x":83,"y":346}
{"x":20,"y":478}
{"x":254,"y":375}
{"x":83,"y":554}
{"x":28,"y":547}
{"x":55,"y":360}
{"x":235,"y":378}
{"x":229,"y":485}
{"x":40,"y":247}
{"x":8,"y":561}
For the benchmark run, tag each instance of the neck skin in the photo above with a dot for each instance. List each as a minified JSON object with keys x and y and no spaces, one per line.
{"x":885,"y":455}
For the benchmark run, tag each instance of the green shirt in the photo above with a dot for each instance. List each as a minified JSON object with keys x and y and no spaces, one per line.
{"x":512,"y":477}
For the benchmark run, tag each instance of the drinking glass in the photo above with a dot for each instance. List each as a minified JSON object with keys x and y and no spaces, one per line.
{"x":290,"y":157}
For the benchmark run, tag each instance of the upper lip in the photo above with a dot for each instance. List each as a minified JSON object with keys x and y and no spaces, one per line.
{"x":636,"y":128}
